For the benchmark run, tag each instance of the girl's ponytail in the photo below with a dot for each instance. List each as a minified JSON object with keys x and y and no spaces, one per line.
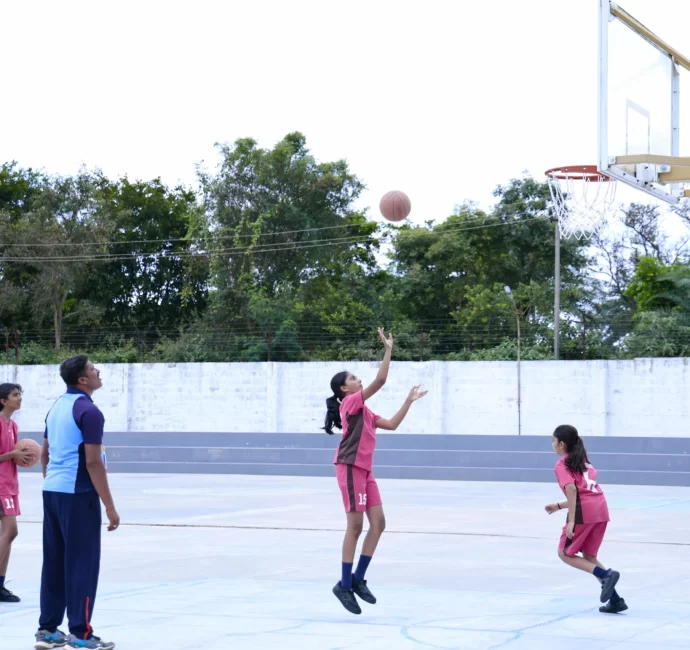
{"x":333,"y":403}
{"x":332,"y":415}
{"x":577,"y":460}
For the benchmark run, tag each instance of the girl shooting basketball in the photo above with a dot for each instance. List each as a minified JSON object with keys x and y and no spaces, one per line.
{"x":347,"y":410}
{"x":588,"y":515}
{"x":10,"y":402}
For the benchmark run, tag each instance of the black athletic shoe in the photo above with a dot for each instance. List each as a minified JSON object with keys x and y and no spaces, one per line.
{"x":608,"y":584}
{"x":6,"y":596}
{"x":610,"y":608}
{"x":347,"y":599}
{"x":361,"y":589}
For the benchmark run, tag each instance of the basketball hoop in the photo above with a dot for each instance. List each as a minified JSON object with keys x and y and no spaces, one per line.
{"x":582,"y":197}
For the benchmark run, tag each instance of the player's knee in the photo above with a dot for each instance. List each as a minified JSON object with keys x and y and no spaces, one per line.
{"x":10,"y":534}
{"x":562,"y":555}
{"x":355,"y":527}
{"x":379,"y":524}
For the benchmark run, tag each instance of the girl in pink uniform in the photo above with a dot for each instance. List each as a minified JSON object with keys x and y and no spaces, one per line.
{"x":10,"y":401}
{"x":347,"y":410}
{"x":588,"y":515}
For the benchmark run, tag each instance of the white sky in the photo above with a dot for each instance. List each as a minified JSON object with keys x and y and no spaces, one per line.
{"x":442,"y":99}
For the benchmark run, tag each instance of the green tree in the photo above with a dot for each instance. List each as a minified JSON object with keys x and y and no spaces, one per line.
{"x":464,"y":262}
{"x":18,"y":189}
{"x":48,"y":248}
{"x":276,"y":218}
{"x":154,"y":275}
{"x":511,"y":245}
{"x":648,"y":284}
{"x":274,"y":319}
{"x":662,"y":326}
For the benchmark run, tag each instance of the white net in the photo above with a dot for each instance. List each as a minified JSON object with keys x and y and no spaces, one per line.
{"x":583,"y":199}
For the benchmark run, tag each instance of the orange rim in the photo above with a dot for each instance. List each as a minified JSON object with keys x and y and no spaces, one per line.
{"x":578,"y":173}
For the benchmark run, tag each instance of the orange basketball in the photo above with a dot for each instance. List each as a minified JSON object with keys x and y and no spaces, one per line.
{"x":395,"y":205}
{"x":33,"y":447}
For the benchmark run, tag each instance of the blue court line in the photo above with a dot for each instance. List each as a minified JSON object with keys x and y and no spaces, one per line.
{"x":520,"y":633}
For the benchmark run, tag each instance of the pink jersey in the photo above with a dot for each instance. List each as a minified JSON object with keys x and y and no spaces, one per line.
{"x":359,"y":433}
{"x":9,"y":483}
{"x":591,"y":506}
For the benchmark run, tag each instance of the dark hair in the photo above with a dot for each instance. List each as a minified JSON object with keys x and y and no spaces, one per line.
{"x":6,"y":390}
{"x":333,"y":403}
{"x":576,"y":460}
{"x":73,"y":368}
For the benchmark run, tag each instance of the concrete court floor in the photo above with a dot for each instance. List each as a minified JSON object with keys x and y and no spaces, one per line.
{"x":248,"y":562}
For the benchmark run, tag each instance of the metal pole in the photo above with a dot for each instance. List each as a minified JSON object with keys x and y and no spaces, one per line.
{"x":519,"y":391}
{"x":510,"y":295}
{"x":557,"y":295}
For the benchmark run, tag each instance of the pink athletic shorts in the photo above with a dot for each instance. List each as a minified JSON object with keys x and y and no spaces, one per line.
{"x":9,"y":506}
{"x":358,"y":487}
{"x":586,"y":538}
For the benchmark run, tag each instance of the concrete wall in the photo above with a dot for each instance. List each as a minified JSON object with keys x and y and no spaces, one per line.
{"x":640,"y":398}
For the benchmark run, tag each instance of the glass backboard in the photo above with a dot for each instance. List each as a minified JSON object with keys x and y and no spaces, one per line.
{"x":639,"y":105}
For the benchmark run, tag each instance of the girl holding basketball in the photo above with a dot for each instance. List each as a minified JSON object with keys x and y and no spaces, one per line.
{"x":347,"y":410}
{"x":10,"y":401}
{"x":588,"y":515}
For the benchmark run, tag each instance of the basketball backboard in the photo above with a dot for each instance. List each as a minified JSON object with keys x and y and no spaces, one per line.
{"x":640,"y":79}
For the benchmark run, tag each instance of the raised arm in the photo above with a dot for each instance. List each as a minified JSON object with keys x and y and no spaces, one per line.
{"x":382,"y":374}
{"x":394,"y":422}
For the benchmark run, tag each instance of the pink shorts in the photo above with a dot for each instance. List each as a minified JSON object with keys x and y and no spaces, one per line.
{"x":586,"y":538}
{"x":358,"y":487}
{"x":9,"y":506}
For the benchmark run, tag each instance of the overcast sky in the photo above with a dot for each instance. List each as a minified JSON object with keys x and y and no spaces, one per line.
{"x":442,"y":99}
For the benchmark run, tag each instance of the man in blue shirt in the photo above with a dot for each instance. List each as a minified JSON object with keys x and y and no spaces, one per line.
{"x":75,"y":477}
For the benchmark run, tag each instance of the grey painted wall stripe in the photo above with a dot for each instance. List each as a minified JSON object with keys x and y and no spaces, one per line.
{"x":644,"y":461}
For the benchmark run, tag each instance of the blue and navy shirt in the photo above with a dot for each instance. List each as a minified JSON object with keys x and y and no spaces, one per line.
{"x":73,"y":421}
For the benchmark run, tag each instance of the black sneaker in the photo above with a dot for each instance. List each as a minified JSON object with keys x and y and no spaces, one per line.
{"x":6,"y":596}
{"x":361,"y":589}
{"x":347,"y":599}
{"x":610,"y":608}
{"x":608,"y":584}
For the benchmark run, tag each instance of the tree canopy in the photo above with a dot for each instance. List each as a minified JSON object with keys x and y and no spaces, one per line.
{"x":270,"y":258}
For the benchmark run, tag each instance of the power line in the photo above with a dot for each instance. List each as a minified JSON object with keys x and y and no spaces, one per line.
{"x":211,"y":236}
{"x":267,"y":248}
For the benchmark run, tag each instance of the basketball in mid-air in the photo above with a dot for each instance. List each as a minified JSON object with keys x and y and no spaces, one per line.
{"x":33,"y":447}
{"x":395,"y":205}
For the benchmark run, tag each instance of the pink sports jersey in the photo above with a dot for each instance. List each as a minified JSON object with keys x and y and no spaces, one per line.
{"x":591,"y":504}
{"x":359,"y":433}
{"x":9,"y":483}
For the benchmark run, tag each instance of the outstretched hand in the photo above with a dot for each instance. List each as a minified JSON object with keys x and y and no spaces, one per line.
{"x":416,"y":394}
{"x":387,"y":342}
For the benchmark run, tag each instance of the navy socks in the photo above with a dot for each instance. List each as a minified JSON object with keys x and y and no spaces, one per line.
{"x":600,"y":573}
{"x":362,"y":566}
{"x":346,"y":580}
